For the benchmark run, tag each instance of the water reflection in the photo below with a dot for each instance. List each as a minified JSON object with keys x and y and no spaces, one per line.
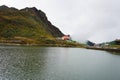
{"x":114,"y":52}
{"x":42,"y":63}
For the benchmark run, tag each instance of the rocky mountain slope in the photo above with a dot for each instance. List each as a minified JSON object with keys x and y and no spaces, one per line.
{"x":29,"y":26}
{"x":27,"y":22}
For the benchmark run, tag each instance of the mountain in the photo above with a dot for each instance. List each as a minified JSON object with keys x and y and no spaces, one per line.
{"x":89,"y":43}
{"x":27,"y":23}
{"x":115,"y":42}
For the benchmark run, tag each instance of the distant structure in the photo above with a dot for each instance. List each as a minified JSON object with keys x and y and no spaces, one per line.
{"x":66,"y":37}
{"x":117,"y":41}
{"x":89,"y":43}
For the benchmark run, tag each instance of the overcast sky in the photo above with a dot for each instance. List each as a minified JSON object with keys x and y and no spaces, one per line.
{"x":95,"y":20}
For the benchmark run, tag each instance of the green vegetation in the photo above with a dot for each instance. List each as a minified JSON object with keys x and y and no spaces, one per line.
{"x":29,"y":26}
{"x":24,"y":23}
{"x":114,"y":44}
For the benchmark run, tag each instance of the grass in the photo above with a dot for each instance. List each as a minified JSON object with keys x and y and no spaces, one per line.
{"x":115,"y":46}
{"x":21,"y":24}
{"x":21,"y":27}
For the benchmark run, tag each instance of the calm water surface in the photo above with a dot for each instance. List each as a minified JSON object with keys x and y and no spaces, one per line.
{"x":51,"y":63}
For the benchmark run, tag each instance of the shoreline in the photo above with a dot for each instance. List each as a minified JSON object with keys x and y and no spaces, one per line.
{"x":104,"y":48}
{"x":41,"y":45}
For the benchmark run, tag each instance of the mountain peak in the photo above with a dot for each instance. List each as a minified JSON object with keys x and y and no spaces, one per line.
{"x":28,"y":9}
{"x":4,"y":7}
{"x":23,"y":21}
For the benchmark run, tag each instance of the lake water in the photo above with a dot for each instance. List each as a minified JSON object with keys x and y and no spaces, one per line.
{"x":52,"y":63}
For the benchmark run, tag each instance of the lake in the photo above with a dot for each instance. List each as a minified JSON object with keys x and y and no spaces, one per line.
{"x":57,"y":63}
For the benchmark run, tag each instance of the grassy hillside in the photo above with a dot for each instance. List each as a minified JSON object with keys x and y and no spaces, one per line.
{"x":26,"y":23}
{"x":115,"y":43}
{"x":29,"y":26}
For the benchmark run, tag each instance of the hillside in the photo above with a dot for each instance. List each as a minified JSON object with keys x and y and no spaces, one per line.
{"x":28,"y":26}
{"x":113,"y":46}
{"x":115,"y":43}
{"x":28,"y":22}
